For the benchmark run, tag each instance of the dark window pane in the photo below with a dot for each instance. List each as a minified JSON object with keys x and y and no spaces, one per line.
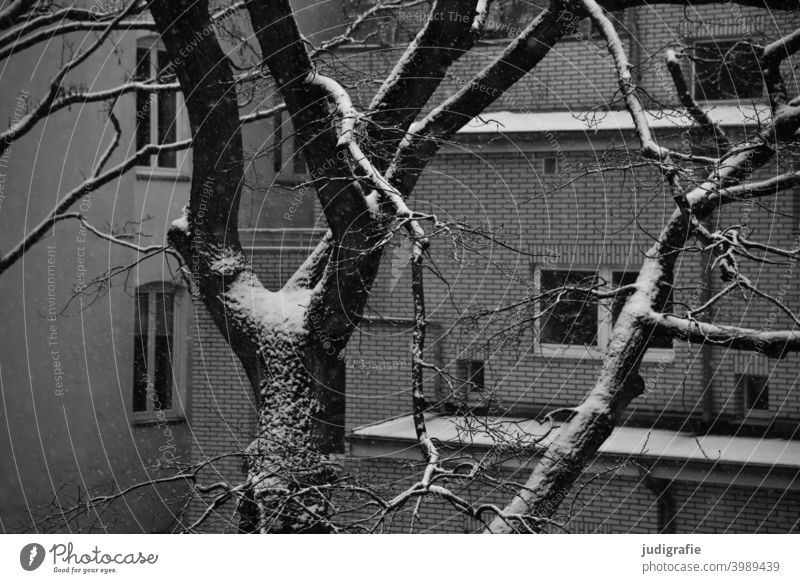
{"x":298,"y":161}
{"x":331,"y":422}
{"x":475,"y":377}
{"x":142,"y":64}
{"x":165,"y":312}
{"x":277,"y":144}
{"x":573,"y":318}
{"x":622,"y":278}
{"x":727,"y":70}
{"x":140,"y":378}
{"x":756,"y":392}
{"x":550,"y":165}
{"x":167,"y":110}
{"x":163,"y":373}
{"x":143,"y":100}
{"x":165,"y":68}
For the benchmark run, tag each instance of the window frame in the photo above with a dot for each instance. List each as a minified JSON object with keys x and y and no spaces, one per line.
{"x":565,"y":350}
{"x":556,"y":165}
{"x":750,"y":413}
{"x":475,"y":371}
{"x":285,"y":152}
{"x":469,"y":369}
{"x":694,"y":83}
{"x":182,"y":159}
{"x":604,"y":316}
{"x":179,"y":358}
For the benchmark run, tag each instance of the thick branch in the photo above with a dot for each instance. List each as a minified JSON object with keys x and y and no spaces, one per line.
{"x":771,"y":60}
{"x":442,"y":123}
{"x":452,"y":28}
{"x":762,"y":188}
{"x":15,"y":10}
{"x":775,"y":344}
{"x":650,"y":148}
{"x":208,"y":237}
{"x":287,"y":58}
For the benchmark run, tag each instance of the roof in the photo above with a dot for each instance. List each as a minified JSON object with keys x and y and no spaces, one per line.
{"x":624,"y":441}
{"x":595,"y":121}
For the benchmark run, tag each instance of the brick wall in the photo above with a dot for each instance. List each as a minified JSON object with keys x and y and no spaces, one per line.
{"x":604,"y":220}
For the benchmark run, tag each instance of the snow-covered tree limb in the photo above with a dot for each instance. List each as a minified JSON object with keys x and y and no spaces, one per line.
{"x":426,"y":137}
{"x":451,"y":29}
{"x":772,"y":343}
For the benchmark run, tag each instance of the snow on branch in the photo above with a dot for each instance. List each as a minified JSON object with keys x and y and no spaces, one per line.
{"x":452,"y":27}
{"x":424,"y":138}
{"x":349,"y":142}
{"x":775,"y":344}
{"x":748,"y":190}
{"x":262,"y":114}
{"x":309,"y":274}
{"x":623,"y":67}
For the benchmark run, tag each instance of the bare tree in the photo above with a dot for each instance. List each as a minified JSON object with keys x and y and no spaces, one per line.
{"x":364,"y":165}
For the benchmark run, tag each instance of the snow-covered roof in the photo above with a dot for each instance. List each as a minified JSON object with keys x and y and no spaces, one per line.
{"x":624,"y":441}
{"x":591,"y":122}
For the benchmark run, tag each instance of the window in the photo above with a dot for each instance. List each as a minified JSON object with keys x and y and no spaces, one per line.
{"x":756,"y":393}
{"x":156,"y":368}
{"x":569,"y":317}
{"x":573,"y":321}
{"x":726,"y":70}
{"x":473,"y":377}
{"x":550,"y":165}
{"x":470,"y":394}
{"x":156,"y":113}
{"x":288,"y":162}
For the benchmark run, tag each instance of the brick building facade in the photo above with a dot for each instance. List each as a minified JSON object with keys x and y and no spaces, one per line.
{"x":711,"y":446}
